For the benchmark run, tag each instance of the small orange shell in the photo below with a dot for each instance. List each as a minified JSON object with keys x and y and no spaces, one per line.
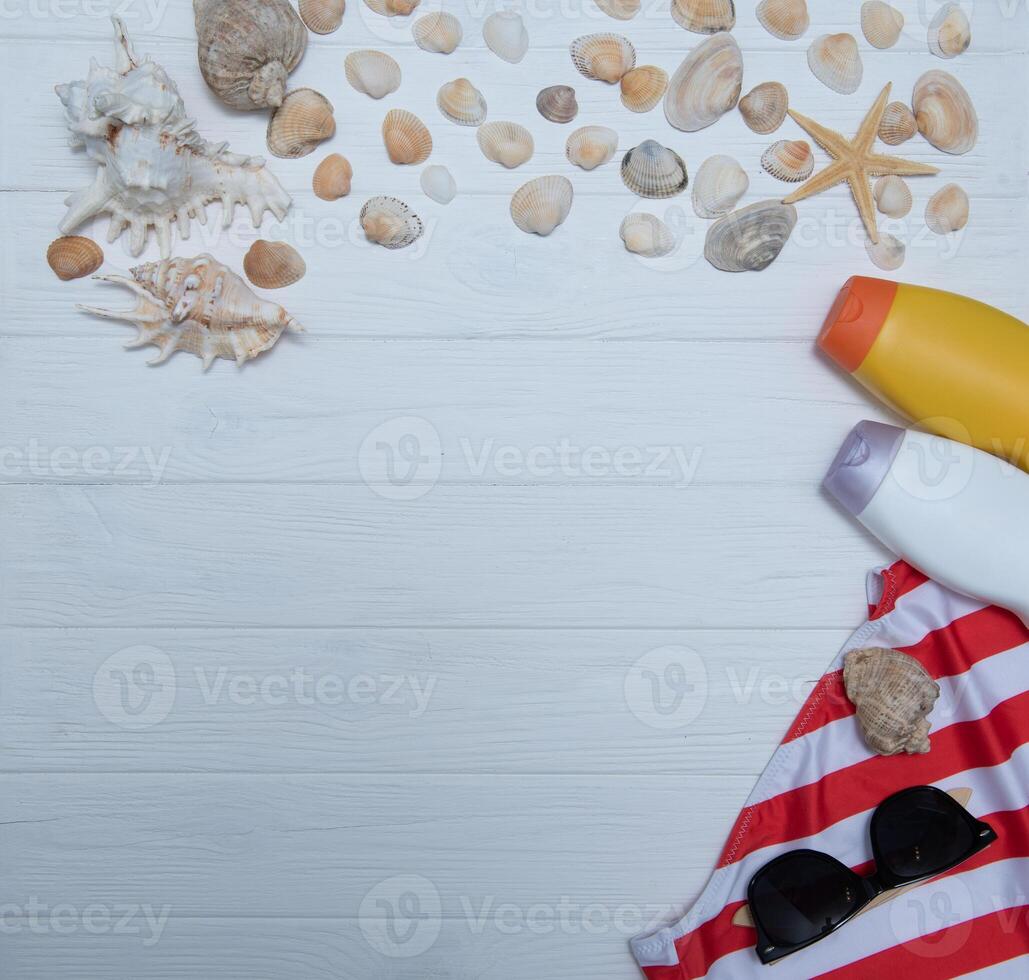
{"x":273,"y":265}
{"x":74,"y":256}
{"x":332,"y":177}
{"x":643,"y":87}
{"x":407,"y":139}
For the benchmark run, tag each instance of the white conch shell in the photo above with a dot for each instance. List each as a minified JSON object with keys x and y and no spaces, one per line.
{"x":200,"y":306}
{"x":654,"y":171}
{"x":439,"y":32}
{"x":949,"y":32}
{"x":718,"y":185}
{"x":784,"y":19}
{"x":880,"y":23}
{"x":539,"y":206}
{"x":389,"y":222}
{"x":898,"y":124}
{"x":619,"y":9}
{"x":506,"y":143}
{"x":704,"y":16}
{"x":373,"y":72}
{"x":246,"y":50}
{"x":643,"y":87}
{"x":893,"y":695}
{"x":153,"y":168}
{"x":603,"y":57}
{"x":438,"y":184}
{"x":835,"y":61}
{"x":320,"y":16}
{"x":505,"y":35}
{"x":789,"y":160}
{"x":888,"y":253}
{"x":461,"y":102}
{"x":944,"y":112}
{"x":892,"y":196}
{"x":750,"y":239}
{"x":764,"y":107}
{"x":406,"y":137}
{"x":947,"y":210}
{"x":706,"y":85}
{"x":647,"y":235}
{"x":590,"y":147}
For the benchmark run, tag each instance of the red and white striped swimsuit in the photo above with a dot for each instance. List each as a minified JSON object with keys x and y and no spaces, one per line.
{"x":822,"y":784}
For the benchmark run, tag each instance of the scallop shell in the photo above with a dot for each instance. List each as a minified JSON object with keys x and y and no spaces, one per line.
{"x":604,"y":57}
{"x":944,"y":112}
{"x":505,"y":143}
{"x":302,"y":122}
{"x":407,"y":139}
{"x":246,"y":50}
{"x":789,"y":160}
{"x":718,"y":185}
{"x":835,"y":61}
{"x":332,"y":177}
{"x":73,"y":257}
{"x":461,"y":102}
{"x":200,"y":306}
{"x":704,"y":16}
{"x":898,"y":124}
{"x":389,"y":222}
{"x":947,"y":210}
{"x":619,"y":9}
{"x":654,"y":171}
{"x":373,"y":72}
{"x":439,"y":184}
{"x":273,"y":265}
{"x":706,"y":85}
{"x":764,"y":107}
{"x":949,"y":32}
{"x":893,"y":695}
{"x":505,"y":35}
{"x":322,"y":16}
{"x":643,"y":87}
{"x":392,"y":8}
{"x":892,"y":196}
{"x":887,"y":253}
{"x":750,"y":239}
{"x":881,"y":24}
{"x":539,"y":206}
{"x":784,"y":19}
{"x":647,"y":235}
{"x":557,"y":103}
{"x":591,"y":146}
{"x":440,"y":32}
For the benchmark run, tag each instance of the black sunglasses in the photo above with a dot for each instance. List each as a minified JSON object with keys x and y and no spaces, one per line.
{"x":803,"y":896}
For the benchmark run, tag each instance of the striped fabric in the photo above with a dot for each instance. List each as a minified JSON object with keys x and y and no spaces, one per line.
{"x":822,"y":784}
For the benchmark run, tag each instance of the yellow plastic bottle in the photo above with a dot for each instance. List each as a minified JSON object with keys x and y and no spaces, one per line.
{"x":954,"y":366}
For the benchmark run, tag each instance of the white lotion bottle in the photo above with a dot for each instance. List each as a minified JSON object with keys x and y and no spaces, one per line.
{"x":957,"y":514}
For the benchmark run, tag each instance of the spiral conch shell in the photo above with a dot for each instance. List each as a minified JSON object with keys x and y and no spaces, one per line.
{"x":654,"y":171}
{"x":303,"y":121}
{"x":505,"y":35}
{"x":704,"y":16}
{"x":949,"y":32}
{"x":461,"y":102}
{"x":719,"y":183}
{"x":506,"y":143}
{"x":246,"y":50}
{"x":407,"y":139}
{"x":590,"y":147}
{"x":373,"y":72}
{"x":944,"y":112}
{"x":893,"y":695}
{"x":73,"y":257}
{"x":439,"y":32}
{"x":647,"y":235}
{"x":784,"y":19}
{"x":835,"y":61}
{"x":947,"y":210}
{"x":643,"y":87}
{"x":389,"y":222}
{"x":200,"y":306}
{"x":880,"y":23}
{"x":706,"y":85}
{"x":322,"y":16}
{"x":539,"y":206}
{"x":764,"y":107}
{"x":750,"y":239}
{"x":897,"y":125}
{"x":603,"y":57}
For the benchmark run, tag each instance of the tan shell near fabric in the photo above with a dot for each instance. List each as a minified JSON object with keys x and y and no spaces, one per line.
{"x":302,"y":122}
{"x":764,"y":107}
{"x":374,"y":73}
{"x":505,"y":143}
{"x":704,"y":16}
{"x":944,"y":112}
{"x":322,"y":16}
{"x":888,"y":253}
{"x":789,"y":160}
{"x":835,"y":61}
{"x":603,"y":57}
{"x":273,"y":265}
{"x":892,"y":196}
{"x":389,"y":222}
{"x":439,"y":32}
{"x":706,"y":85}
{"x":718,"y":185}
{"x":898,"y":124}
{"x":643,"y":87}
{"x":407,"y":138}
{"x":654,"y":171}
{"x":893,"y":695}
{"x":332,"y":178}
{"x":881,"y":24}
{"x":784,"y":19}
{"x":750,"y":239}
{"x":949,"y":32}
{"x":74,"y":256}
{"x":557,"y":103}
{"x":619,"y":9}
{"x":461,"y":102}
{"x":947,"y":210}
{"x":590,"y":147}
{"x":392,"y":8}
{"x":647,"y":235}
{"x":539,"y":206}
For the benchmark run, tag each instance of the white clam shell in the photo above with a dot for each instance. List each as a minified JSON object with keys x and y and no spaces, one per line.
{"x":438,"y":184}
{"x":784,"y":19}
{"x":374,"y":73}
{"x":892,"y":196}
{"x":647,"y":235}
{"x":506,"y":143}
{"x":438,"y":32}
{"x":944,"y":112}
{"x":389,"y":222}
{"x":619,"y":9}
{"x":718,"y":185}
{"x":947,"y":210}
{"x":880,"y":23}
{"x":706,"y":85}
{"x":835,"y":61}
{"x":949,"y":32}
{"x":590,"y":147}
{"x":505,"y":35}
{"x":750,"y":239}
{"x":461,"y":102}
{"x":887,"y":253}
{"x":539,"y":206}
{"x":654,"y":171}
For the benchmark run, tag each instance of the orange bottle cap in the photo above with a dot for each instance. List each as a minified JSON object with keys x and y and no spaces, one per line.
{"x":854,"y":322}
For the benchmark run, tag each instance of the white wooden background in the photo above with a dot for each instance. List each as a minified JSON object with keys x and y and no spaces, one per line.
{"x":535,"y":808}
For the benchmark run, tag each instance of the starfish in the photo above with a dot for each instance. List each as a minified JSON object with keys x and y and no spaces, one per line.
{"x":854,"y":162}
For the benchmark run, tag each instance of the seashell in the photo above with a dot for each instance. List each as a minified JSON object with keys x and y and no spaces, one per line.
{"x":647,"y":235}
{"x":439,"y":32}
{"x":706,"y":85}
{"x":764,"y":107}
{"x":892,"y":196}
{"x":332,"y":178}
{"x":153,"y":168}
{"x":73,"y":257}
{"x":949,"y":32}
{"x":407,"y":139}
{"x":604,"y":57}
{"x":887,"y":253}
{"x":246,"y":50}
{"x":654,"y":171}
{"x":619,"y":9}
{"x":505,"y":35}
{"x":389,"y":222}
{"x":200,"y":306}
{"x":439,"y":184}
{"x":784,"y":19}
{"x":302,"y":122}
{"x":461,"y":102}
{"x":897,"y":124}
{"x":718,"y":185}
{"x":557,"y":103}
{"x":789,"y":160}
{"x":835,"y":61}
{"x":704,"y":16}
{"x":505,"y":143}
{"x":944,"y":112}
{"x":750,"y":239}
{"x":591,"y":146}
{"x":272,"y":265}
{"x":893,"y":695}
{"x":947,"y":210}
{"x":881,"y":24}
{"x":539,"y":206}
{"x":322,"y":16}
{"x":373,"y":72}
{"x":643,"y":87}
{"x":392,"y":8}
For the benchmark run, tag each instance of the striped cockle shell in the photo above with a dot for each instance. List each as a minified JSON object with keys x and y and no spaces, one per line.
{"x":947,"y":210}
{"x":322,"y":16}
{"x":74,"y":256}
{"x":764,"y":107}
{"x":718,"y":185}
{"x":539,"y":206}
{"x":389,"y":222}
{"x":406,"y":137}
{"x":706,"y":85}
{"x":835,"y":61}
{"x":506,"y":143}
{"x":647,"y":235}
{"x":789,"y":160}
{"x":557,"y":103}
{"x":438,"y":32}
{"x":944,"y":112}
{"x":461,"y":102}
{"x":591,"y":146}
{"x":654,"y":171}
{"x":880,"y":23}
{"x":374,"y":73}
{"x":603,"y":57}
{"x":704,"y":16}
{"x":332,"y":178}
{"x":898,"y":124}
{"x":619,"y":9}
{"x":273,"y":265}
{"x":643,"y":87}
{"x":750,"y":239}
{"x":784,"y":19}
{"x":949,"y":32}
{"x":392,"y":8}
{"x":298,"y":125}
{"x":892,"y":196}
{"x":505,"y":35}
{"x":438,"y":184}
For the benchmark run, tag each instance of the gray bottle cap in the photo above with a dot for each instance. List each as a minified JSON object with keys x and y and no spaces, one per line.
{"x":862,"y":463}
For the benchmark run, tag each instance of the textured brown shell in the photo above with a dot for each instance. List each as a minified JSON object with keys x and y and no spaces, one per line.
{"x":273,"y":265}
{"x":73,"y":257}
{"x":643,"y":87}
{"x":302,"y":122}
{"x":407,"y":139}
{"x":332,"y":177}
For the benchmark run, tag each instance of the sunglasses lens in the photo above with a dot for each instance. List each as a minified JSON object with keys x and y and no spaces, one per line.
{"x":920,"y":832}
{"x":802,"y":896}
